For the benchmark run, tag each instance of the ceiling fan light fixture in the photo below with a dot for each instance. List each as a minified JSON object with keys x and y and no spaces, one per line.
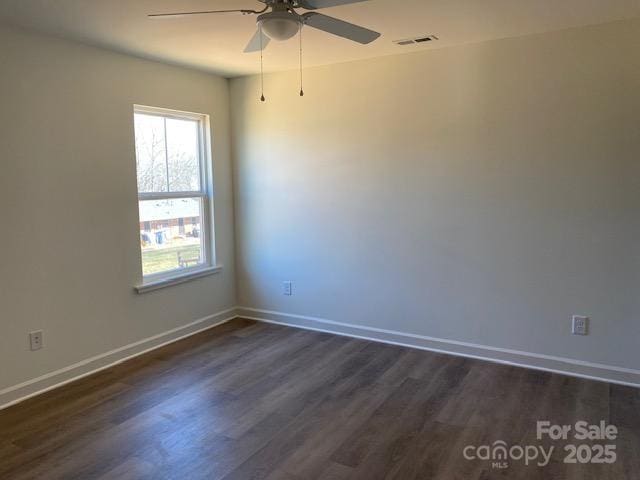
{"x":280,"y":25}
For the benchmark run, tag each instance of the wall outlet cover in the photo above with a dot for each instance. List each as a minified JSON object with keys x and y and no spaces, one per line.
{"x":35,"y":340}
{"x":580,"y":325}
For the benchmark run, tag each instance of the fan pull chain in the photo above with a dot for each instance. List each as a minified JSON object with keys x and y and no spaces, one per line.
{"x":300,"y":35}
{"x":262,"y":99}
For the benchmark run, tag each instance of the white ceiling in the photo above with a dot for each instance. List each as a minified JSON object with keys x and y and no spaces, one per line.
{"x":215,"y":43}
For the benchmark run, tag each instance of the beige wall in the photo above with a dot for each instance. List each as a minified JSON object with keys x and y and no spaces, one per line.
{"x":481,"y":194}
{"x":69,"y":246}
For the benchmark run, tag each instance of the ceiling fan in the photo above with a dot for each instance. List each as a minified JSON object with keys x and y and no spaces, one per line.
{"x":278,"y":20}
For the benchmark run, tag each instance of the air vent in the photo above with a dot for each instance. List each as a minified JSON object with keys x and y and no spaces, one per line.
{"x":416,"y":40}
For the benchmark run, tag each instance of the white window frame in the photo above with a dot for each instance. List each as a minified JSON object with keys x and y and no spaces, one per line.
{"x":208,"y":266}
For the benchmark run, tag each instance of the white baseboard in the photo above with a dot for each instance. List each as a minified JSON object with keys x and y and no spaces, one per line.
{"x":566,"y":366}
{"x":547,"y":363}
{"x":17,"y":393}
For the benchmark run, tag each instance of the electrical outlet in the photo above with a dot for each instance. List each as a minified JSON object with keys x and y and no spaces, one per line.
{"x":580,"y":325}
{"x":35,"y":340}
{"x":286,"y":288}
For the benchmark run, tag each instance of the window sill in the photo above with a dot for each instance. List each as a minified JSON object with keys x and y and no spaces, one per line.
{"x":177,"y":279}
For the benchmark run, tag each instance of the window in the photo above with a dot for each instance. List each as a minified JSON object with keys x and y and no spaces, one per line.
{"x":174,"y":193}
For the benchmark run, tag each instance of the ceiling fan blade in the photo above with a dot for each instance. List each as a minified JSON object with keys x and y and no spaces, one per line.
{"x":316,"y":4}
{"x":340,"y":28}
{"x":206,"y":12}
{"x":254,"y":43}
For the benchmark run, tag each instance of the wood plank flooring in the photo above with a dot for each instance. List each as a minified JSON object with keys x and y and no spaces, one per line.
{"x":256,"y":401}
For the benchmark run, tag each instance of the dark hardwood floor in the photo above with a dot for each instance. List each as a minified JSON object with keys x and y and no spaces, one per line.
{"x":256,"y":401}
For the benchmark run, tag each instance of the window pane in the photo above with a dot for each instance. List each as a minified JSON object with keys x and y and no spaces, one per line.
{"x":171,"y":234}
{"x":183,"y":155}
{"x":151,"y":158}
